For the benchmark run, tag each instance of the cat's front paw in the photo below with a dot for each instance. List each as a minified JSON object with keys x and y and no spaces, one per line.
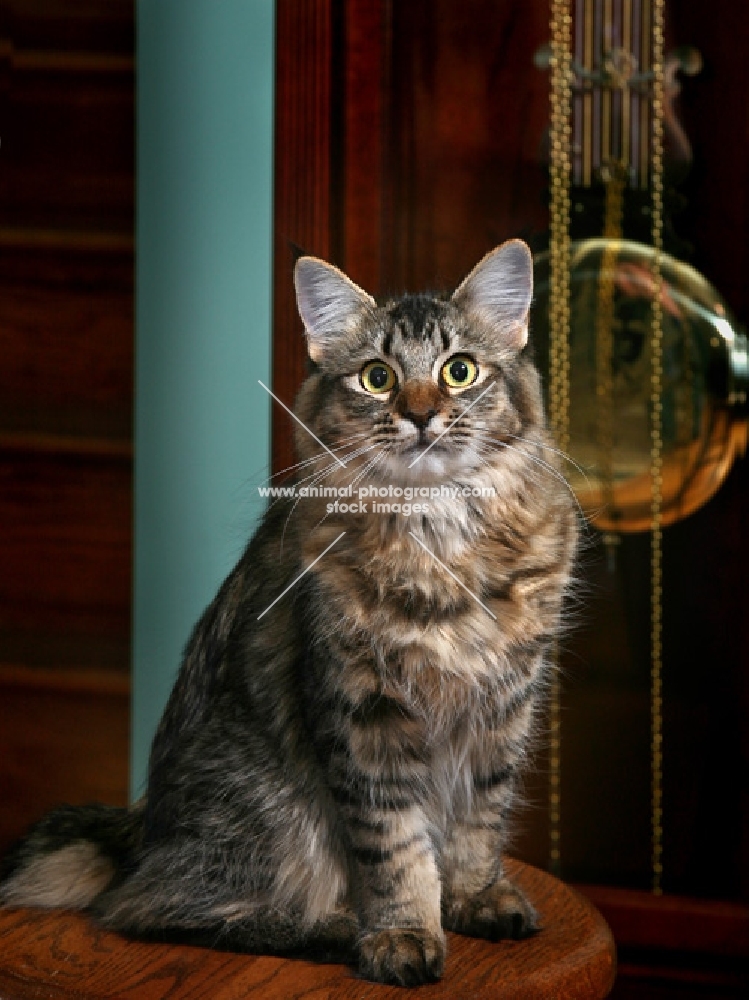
{"x":501,"y":911}
{"x":402,"y":957}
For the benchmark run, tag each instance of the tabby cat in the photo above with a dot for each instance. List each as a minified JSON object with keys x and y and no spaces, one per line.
{"x":335,"y":769}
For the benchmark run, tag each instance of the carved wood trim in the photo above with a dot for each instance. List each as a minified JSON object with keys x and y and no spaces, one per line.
{"x":302,"y":209}
{"x":331,"y":191}
{"x":366,"y":74}
{"x":61,"y":445}
{"x":65,"y":240}
{"x":42,"y":60}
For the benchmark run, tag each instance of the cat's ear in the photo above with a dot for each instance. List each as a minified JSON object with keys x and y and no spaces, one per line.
{"x":498,"y":292}
{"x":329,"y":303}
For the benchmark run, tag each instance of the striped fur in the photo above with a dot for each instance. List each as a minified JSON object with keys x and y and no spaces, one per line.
{"x":336,"y":776}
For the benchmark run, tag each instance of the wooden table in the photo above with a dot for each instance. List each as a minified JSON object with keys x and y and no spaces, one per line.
{"x":62,"y":956}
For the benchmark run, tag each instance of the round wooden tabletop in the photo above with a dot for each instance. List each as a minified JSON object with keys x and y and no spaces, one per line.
{"x":63,"y":956}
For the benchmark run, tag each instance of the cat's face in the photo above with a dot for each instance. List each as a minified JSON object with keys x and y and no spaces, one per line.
{"x":425,"y":386}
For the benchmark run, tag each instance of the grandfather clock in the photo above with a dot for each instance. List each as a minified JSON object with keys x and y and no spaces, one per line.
{"x":410,"y":140}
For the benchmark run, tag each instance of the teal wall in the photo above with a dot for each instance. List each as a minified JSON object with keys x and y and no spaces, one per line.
{"x":203,"y":299}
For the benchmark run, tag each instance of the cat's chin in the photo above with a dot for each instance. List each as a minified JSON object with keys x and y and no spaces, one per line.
{"x":419,"y":466}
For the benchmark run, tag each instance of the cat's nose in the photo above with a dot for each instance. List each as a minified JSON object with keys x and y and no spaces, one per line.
{"x":418,"y":402}
{"x":420,"y":417}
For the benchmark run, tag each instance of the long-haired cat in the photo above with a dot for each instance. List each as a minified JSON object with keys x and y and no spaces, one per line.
{"x":335,"y":769}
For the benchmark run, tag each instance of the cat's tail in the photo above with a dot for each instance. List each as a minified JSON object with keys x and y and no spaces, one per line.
{"x":70,"y":856}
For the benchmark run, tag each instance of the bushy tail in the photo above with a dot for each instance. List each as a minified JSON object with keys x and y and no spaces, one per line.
{"x":70,"y":856}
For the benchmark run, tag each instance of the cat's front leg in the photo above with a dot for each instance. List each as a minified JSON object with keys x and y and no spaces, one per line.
{"x":377,"y":778}
{"x":479,"y":900}
{"x":399,"y":892}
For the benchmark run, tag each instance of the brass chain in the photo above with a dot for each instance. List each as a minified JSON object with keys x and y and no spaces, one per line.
{"x":559,"y":336}
{"x":614,"y":175}
{"x":656,"y":454}
{"x":559,"y":388}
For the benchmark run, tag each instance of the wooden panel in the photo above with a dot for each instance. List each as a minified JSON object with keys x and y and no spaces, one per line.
{"x":63,"y":738}
{"x":330,"y":191}
{"x":76,"y":170}
{"x":67,"y":112}
{"x":72,"y":259}
{"x":65,"y":544}
{"x":365,"y":86}
{"x":67,"y":361}
{"x":66,"y":331}
{"x":103,"y":26}
{"x":66,"y":342}
{"x":302,"y":212}
{"x":468,"y":113}
{"x":395,"y":140}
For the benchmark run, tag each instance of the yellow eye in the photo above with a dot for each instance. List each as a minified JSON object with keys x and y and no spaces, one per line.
{"x":377,"y":377}
{"x":459,"y":371}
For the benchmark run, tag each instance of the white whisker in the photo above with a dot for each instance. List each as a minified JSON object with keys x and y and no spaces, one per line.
{"x":557,"y":451}
{"x":539,"y":461}
{"x":317,"y":477}
{"x":345,"y":443}
{"x":365,"y":469}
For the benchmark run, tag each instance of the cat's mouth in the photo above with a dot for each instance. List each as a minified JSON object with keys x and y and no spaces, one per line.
{"x":426,"y":439}
{"x":422,"y":444}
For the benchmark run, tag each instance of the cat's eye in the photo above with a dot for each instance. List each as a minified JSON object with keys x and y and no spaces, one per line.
{"x":377,"y":377}
{"x":459,"y":371}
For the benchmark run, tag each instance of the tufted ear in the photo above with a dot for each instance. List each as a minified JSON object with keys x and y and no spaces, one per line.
{"x":498,"y":292}
{"x":328,"y":302}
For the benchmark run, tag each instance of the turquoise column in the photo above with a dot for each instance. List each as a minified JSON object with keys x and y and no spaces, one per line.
{"x":203,"y":305}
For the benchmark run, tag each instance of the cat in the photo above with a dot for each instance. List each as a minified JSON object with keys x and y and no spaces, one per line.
{"x":335,"y":770}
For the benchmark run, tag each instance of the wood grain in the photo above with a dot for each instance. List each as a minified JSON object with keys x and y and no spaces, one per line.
{"x":67,"y":361}
{"x":366,"y":79}
{"x":66,"y":382}
{"x":66,"y":337}
{"x":468,"y":113}
{"x":91,"y":26}
{"x":65,"y":542}
{"x":67,"y":116}
{"x":34,"y":258}
{"x":62,"y":956}
{"x":302,"y":186}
